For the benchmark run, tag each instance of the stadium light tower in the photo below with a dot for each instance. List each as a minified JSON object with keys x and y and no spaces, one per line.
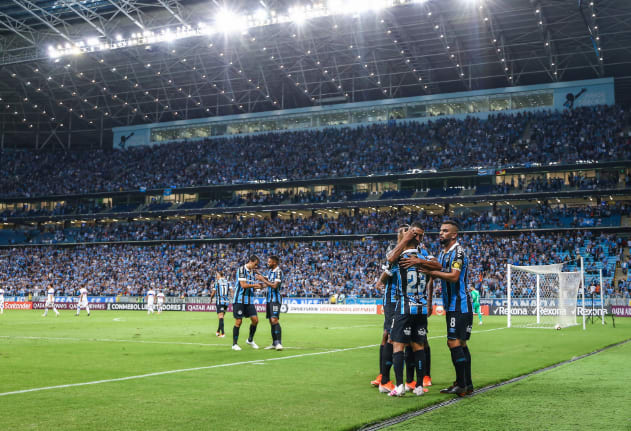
{"x":261,"y":15}
{"x":355,"y":6}
{"x":297,"y":15}
{"x":228,"y":21}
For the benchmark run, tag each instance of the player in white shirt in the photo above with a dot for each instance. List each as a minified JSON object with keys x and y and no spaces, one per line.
{"x":83,"y":300}
{"x":151,"y":294}
{"x":50,"y":301}
{"x":160,"y":298}
{"x":1,"y":301}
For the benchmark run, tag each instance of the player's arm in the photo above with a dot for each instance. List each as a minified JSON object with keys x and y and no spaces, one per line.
{"x":383,"y":279}
{"x":451,"y":276}
{"x":424,"y":265}
{"x":454,"y":272}
{"x":212,"y":294}
{"x":430,"y":295}
{"x":267,"y":282}
{"x":246,"y":285}
{"x":400,"y":247}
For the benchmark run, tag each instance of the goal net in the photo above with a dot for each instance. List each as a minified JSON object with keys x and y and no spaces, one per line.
{"x":542,"y":296}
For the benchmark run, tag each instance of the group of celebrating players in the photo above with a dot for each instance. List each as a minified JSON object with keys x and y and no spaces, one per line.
{"x":249,"y":279}
{"x":408,"y":281}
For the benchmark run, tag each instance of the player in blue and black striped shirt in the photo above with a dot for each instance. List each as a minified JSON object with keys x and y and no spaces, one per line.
{"x":221,"y":292}
{"x":409,"y":320}
{"x":389,"y":302}
{"x":457,"y":303}
{"x":243,"y":305}
{"x":273,"y":281}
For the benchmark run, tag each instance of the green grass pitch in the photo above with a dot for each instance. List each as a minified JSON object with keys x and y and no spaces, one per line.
{"x":320,"y":381}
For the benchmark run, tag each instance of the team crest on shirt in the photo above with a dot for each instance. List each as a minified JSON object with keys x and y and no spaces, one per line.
{"x":456,"y":265}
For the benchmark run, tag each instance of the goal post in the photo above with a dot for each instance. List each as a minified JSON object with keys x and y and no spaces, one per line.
{"x":542,"y":296}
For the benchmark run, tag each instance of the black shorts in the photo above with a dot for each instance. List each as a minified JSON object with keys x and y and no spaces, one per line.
{"x":222,"y":308}
{"x":388,"y":310}
{"x":459,"y":325}
{"x":409,"y":328}
{"x":272,"y":309}
{"x":239,"y":311}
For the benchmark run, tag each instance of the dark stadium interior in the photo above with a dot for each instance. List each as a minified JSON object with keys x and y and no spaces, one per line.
{"x":338,"y":58}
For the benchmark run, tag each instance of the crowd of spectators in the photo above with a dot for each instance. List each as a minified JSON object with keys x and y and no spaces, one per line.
{"x":498,"y":217}
{"x":492,"y":253}
{"x":311,"y":269}
{"x":317,"y":268}
{"x":587,"y":133}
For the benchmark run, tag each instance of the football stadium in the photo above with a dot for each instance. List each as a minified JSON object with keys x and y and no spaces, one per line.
{"x":315,"y":214}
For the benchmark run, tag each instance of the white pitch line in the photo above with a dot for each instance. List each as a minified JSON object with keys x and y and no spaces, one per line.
{"x":357,"y":326}
{"x":182,"y":370}
{"x":108,"y":340}
{"x":114,"y":340}
{"x":208,"y":367}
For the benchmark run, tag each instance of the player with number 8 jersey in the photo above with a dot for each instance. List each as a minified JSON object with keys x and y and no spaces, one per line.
{"x":273,"y":299}
{"x":457,"y":303}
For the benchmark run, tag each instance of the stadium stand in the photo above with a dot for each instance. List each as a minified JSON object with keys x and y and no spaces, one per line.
{"x":232,"y":226}
{"x":587,"y":133}
{"x":318,"y":268}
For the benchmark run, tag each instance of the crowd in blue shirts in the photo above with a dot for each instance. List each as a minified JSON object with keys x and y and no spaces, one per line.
{"x":316,"y":269}
{"x":587,"y":133}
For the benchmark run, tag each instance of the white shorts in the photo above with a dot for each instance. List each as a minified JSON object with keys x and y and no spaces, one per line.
{"x":2,"y":304}
{"x":150,"y":305}
{"x":83,"y":304}
{"x":49,"y":304}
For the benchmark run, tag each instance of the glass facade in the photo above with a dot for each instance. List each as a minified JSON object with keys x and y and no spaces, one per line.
{"x":333,"y":117}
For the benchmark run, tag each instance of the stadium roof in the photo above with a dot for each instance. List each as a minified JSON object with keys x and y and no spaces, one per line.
{"x":323,"y":53}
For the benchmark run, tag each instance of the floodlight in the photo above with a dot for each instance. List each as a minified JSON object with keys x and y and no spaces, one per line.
{"x":228,"y":21}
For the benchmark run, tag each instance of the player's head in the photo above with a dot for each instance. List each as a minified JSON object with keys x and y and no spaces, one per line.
{"x":218,"y":274}
{"x":273,"y":261}
{"x":448,"y":232}
{"x":253,"y":261}
{"x":418,"y":234}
